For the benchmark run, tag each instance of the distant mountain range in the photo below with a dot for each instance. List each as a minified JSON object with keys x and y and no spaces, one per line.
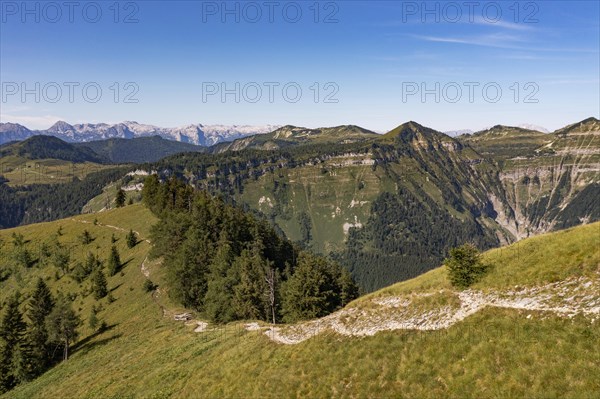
{"x":204,"y":135}
{"x":198,"y":134}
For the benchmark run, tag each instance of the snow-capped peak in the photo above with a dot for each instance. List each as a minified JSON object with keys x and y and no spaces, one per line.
{"x":194,"y":133}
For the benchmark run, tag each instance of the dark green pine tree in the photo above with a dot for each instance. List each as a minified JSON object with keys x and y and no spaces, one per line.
{"x":313,"y":289}
{"x":120,"y":199}
{"x":40,"y":306}
{"x":464,"y":266}
{"x":86,"y":238}
{"x":99,"y":285}
{"x":348,"y":289}
{"x":23,"y":258}
{"x":250,"y":292}
{"x":91,"y":263}
{"x":93,"y":320}
{"x":131,"y":239}
{"x":219,"y":294}
{"x":114,"y":261}
{"x":13,"y":356}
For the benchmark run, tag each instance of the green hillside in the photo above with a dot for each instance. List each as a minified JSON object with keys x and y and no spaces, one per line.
{"x":47,"y":160}
{"x":542,"y":344}
{"x":45,"y":147}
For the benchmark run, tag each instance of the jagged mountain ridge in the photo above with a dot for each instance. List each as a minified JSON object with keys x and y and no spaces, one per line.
{"x":205,"y":135}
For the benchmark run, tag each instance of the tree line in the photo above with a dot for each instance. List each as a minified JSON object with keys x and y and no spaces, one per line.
{"x":45,"y":202}
{"x":30,"y":347}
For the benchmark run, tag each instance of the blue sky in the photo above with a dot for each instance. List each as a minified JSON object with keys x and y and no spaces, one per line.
{"x":374,"y":64}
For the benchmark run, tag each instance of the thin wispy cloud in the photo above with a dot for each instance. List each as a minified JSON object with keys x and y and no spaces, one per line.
{"x":475,"y":21}
{"x":488,"y":40}
{"x":503,"y":24}
{"x":497,"y":41}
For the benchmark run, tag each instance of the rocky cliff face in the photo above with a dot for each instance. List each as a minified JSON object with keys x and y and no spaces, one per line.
{"x":551,"y":186}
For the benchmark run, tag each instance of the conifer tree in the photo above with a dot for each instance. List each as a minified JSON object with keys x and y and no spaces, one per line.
{"x":99,"y":285}
{"x":93,"y":320}
{"x":91,"y":263}
{"x":12,"y":332}
{"x":219,"y":294}
{"x":23,"y":257}
{"x":86,"y":237}
{"x":464,"y":266}
{"x":317,"y":287}
{"x":40,"y":306}
{"x":131,"y":239}
{"x":61,"y":258}
{"x":250,"y":292}
{"x":114,"y":261}
{"x":120,"y":199}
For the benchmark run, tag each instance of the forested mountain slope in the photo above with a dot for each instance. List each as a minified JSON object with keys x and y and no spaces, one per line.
{"x":48,"y":147}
